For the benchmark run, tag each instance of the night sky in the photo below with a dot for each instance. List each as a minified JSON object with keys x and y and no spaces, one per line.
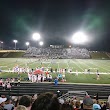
{"x":56,"y":21}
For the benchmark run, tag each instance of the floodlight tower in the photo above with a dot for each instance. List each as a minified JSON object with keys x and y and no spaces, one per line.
{"x":27,"y":44}
{"x":41,"y":43}
{"x":79,"y":38}
{"x":15,"y":41}
{"x":1,"y":45}
{"x":36,"y":36}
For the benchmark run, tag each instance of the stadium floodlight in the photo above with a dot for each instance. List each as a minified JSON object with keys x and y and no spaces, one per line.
{"x":41,"y":43}
{"x":1,"y":44}
{"x":79,"y":38}
{"x":36,"y":36}
{"x":15,"y":41}
{"x":27,"y":44}
{"x":69,"y":46}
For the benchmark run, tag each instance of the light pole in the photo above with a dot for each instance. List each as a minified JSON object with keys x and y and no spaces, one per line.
{"x":27,"y":44}
{"x":15,"y":41}
{"x":1,"y":45}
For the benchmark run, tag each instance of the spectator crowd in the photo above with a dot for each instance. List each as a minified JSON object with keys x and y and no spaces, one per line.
{"x":50,"y":101}
{"x":62,"y":53}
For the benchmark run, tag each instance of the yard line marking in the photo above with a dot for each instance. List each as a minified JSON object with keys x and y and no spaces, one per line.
{"x":67,"y":64}
{"x":78,"y":66}
{"x":100,"y":67}
{"x":33,"y":63}
{"x":105,"y":63}
{"x":12,"y":64}
{"x":48,"y":64}
{"x":82,"y":61}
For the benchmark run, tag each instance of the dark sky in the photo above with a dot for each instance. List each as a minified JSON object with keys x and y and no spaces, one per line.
{"x":56,"y":21}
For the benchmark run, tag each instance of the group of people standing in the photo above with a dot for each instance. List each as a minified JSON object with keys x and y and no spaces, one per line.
{"x":39,"y":77}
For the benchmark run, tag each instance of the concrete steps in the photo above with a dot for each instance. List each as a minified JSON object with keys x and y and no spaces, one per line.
{"x":32,"y":88}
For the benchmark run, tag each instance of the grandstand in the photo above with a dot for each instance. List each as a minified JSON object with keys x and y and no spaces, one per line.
{"x":62,"y":53}
{"x":65,"y":53}
{"x":54,"y":53}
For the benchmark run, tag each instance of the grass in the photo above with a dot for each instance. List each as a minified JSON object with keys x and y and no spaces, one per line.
{"x":74,"y":64}
{"x":70,"y":78}
{"x":103,"y":66}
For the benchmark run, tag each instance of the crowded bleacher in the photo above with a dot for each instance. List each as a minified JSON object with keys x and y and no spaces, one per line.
{"x":58,"y":52}
{"x":50,"y":101}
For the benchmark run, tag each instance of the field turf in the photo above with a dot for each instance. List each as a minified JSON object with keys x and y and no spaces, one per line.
{"x":103,"y":66}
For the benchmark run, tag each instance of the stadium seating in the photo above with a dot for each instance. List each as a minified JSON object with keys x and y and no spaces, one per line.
{"x":32,"y":88}
{"x":62,"y":53}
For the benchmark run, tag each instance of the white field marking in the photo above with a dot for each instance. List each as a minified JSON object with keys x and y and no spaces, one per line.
{"x":54,"y":61}
{"x":89,"y":66}
{"x":70,"y":61}
{"x":67,"y":64}
{"x":32,"y":63}
{"x":58,"y":66}
{"x":45,"y":62}
{"x":61,"y":61}
{"x":48,"y":65}
{"x":83,"y":63}
{"x":72,"y":66}
{"x":92,"y":64}
{"x":12,"y":64}
{"x":7,"y":63}
{"x":22,"y":64}
{"x":77,"y":65}
{"x":100,"y":67}
{"x":3,"y":66}
{"x":105,"y":63}
{"x":97,"y":66}
{"x":71,"y":72}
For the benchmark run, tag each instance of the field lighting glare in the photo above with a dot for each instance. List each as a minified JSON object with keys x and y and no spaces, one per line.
{"x":41,"y":43}
{"x":15,"y":41}
{"x":27,"y":43}
{"x":1,"y":45}
{"x":79,"y":38}
{"x":36,"y":36}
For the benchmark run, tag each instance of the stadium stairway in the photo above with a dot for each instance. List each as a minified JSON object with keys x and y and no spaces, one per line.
{"x":33,"y":88}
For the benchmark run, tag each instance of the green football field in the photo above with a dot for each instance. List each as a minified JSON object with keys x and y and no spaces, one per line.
{"x":103,"y":66}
